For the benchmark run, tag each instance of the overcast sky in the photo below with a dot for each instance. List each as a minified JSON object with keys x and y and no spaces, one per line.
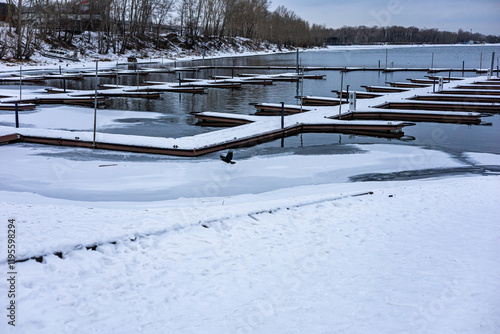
{"x":479,"y":15}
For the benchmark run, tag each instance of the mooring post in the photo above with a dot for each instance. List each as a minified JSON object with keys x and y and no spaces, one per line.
{"x":179,"y":79}
{"x":116,"y":78}
{"x":481,"y":61}
{"x":282,"y":115}
{"x":492,"y":63}
{"x":386,"y":58}
{"x":64,"y":84}
{"x":137,"y":74}
{"x":434,"y":85}
{"x":302,"y":89}
{"x":449,"y":76}
{"x":463,"y":68}
{"x":20,"y":83}
{"x":341,"y":91}
{"x":379,"y":63}
{"x":16,"y":108}
{"x":60,"y":72}
{"x":95,"y":101}
{"x":432,"y":61}
{"x":347,"y":94}
{"x":297,"y":60}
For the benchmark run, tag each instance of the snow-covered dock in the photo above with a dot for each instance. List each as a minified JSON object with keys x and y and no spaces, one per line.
{"x":328,"y":68}
{"x":254,"y":129}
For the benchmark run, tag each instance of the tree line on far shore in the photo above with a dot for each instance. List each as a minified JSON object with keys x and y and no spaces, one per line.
{"x":405,"y":35}
{"x":116,"y":26}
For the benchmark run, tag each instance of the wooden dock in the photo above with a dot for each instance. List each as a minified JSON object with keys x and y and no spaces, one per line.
{"x":328,"y":68}
{"x":383,"y":115}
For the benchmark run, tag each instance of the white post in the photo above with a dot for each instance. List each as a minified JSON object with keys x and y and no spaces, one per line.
{"x":352,"y":101}
{"x":440,"y":85}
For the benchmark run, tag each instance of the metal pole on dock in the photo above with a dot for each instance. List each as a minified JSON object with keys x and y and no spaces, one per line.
{"x":17,"y":114}
{"x":297,"y":60}
{"x":386,"y":58}
{"x":302,"y":90}
{"x":347,"y":92}
{"x":379,"y":63}
{"x":95,"y":101}
{"x":137,"y":72}
{"x":481,"y":61}
{"x":463,"y":68}
{"x":116,"y":78}
{"x":179,"y":79}
{"x":341,"y":91}
{"x":20,"y":83}
{"x":282,"y":115}
{"x":60,"y":72}
{"x":492,"y":63}
{"x":64,"y":84}
{"x":432,"y":61}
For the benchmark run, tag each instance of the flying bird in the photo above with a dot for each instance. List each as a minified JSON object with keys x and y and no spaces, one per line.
{"x":228,"y":158}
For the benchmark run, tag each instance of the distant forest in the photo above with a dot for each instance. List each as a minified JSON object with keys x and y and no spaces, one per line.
{"x":402,"y":35}
{"x":117,"y":26}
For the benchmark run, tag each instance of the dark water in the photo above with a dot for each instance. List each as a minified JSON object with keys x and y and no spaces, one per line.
{"x":177,"y":108}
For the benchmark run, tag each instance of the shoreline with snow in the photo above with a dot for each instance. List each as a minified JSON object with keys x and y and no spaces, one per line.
{"x":108,"y":61}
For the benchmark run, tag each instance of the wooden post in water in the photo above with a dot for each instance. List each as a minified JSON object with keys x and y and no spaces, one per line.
{"x":95,"y":101}
{"x":17,"y":114}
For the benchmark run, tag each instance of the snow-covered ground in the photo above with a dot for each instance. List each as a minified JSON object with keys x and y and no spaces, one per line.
{"x":277,"y":244}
